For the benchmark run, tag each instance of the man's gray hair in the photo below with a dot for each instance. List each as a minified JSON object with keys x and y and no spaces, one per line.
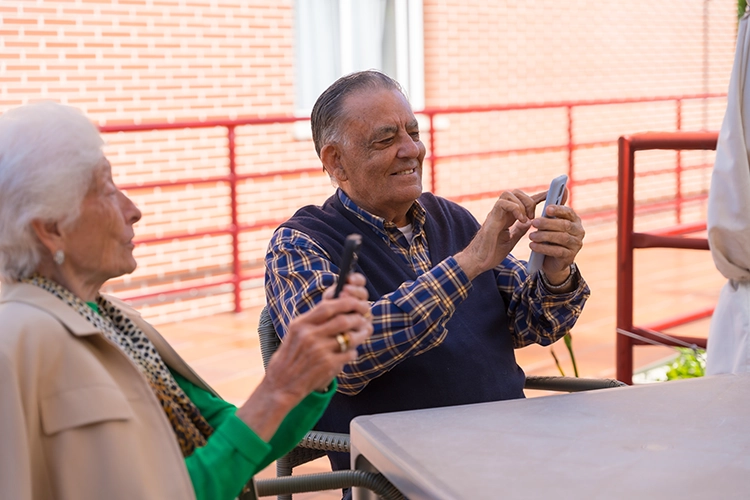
{"x":48,"y":155}
{"x":326,"y":116}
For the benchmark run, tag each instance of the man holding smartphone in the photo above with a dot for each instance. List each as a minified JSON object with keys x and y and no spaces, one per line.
{"x":449,"y":302}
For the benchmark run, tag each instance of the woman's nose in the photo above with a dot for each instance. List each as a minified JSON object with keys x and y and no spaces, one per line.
{"x":130,"y":211}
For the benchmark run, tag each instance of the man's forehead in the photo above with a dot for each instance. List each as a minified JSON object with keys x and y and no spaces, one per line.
{"x":378,"y":114}
{"x":379,"y":99}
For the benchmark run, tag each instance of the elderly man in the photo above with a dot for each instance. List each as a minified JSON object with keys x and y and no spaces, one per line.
{"x":449,"y":302}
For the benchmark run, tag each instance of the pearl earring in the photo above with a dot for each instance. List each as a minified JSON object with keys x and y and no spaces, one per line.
{"x":59,"y":257}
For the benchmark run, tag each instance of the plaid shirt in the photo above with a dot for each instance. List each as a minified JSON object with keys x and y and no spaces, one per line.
{"x":411,"y":319}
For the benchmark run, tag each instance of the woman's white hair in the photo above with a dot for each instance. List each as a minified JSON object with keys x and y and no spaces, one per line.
{"x":48,"y":155}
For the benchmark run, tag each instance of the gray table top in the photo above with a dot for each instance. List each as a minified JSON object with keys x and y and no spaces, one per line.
{"x":680,"y":439}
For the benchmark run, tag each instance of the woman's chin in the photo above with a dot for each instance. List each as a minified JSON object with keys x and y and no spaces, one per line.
{"x":127,"y":268}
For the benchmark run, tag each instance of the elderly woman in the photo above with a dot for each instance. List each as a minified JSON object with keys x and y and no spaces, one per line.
{"x":94,"y":403}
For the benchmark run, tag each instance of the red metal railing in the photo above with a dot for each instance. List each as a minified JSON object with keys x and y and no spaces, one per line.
{"x":433,"y":160}
{"x":232,"y":178}
{"x":628,"y":240}
{"x":571,"y":146}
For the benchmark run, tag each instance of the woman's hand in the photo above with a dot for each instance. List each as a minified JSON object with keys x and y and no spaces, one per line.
{"x":312,"y":353}
{"x":315,"y":349}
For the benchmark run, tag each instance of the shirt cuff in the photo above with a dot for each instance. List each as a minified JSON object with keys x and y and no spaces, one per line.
{"x":545,"y":291}
{"x":570,"y":283}
{"x":239,"y":436}
{"x":451,"y":280}
{"x":322,"y":395}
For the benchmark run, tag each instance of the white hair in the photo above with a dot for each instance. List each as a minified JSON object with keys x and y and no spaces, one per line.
{"x":48,"y":155}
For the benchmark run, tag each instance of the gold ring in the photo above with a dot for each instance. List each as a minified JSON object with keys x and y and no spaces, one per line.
{"x":343,"y":340}
{"x":368,"y":315}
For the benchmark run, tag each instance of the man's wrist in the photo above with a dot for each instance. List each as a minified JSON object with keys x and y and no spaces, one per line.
{"x":467,"y":265}
{"x":568,"y":285}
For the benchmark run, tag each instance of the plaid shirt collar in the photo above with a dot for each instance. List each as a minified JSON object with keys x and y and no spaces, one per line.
{"x":416,"y":215}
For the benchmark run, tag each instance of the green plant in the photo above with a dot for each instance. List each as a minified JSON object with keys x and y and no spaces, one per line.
{"x":569,"y":345}
{"x":690,"y":363}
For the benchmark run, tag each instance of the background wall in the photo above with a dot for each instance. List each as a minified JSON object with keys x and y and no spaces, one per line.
{"x":149,"y":61}
{"x":478,"y":53}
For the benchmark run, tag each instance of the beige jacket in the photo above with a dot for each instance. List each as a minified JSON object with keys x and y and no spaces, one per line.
{"x":77,"y":419}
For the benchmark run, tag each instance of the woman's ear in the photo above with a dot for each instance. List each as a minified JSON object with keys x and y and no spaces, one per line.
{"x":49,"y":234}
{"x":331,"y":158}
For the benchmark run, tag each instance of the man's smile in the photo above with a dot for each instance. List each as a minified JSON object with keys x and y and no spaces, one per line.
{"x":405,"y":172}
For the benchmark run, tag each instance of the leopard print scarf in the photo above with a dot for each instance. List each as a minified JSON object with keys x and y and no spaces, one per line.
{"x":190,"y":427}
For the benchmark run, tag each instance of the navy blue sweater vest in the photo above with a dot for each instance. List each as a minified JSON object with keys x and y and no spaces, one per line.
{"x":475,"y":363}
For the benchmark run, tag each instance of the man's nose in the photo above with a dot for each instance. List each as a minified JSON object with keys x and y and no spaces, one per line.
{"x":408,"y":147}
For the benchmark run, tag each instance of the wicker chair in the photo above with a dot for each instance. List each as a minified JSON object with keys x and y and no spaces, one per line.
{"x":316,"y":443}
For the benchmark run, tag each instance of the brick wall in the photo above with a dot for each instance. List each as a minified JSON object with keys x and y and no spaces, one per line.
{"x":149,"y":61}
{"x":479,"y":52}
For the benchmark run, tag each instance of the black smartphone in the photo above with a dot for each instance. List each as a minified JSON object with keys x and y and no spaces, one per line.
{"x":348,"y":259}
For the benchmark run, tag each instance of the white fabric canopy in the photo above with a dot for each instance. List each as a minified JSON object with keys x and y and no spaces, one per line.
{"x":729,"y":223}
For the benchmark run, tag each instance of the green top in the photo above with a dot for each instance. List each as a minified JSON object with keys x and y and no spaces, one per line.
{"x":234,"y":453}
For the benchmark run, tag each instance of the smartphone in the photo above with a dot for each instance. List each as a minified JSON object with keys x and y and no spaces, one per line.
{"x":554,"y":197}
{"x":348,"y":259}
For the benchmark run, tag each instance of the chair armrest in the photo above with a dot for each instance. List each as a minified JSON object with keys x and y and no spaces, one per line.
{"x":326,"y":441}
{"x":313,"y":445}
{"x":267,"y":337}
{"x":570,"y":384}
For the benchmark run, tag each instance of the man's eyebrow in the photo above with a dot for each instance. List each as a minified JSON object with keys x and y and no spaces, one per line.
{"x":383,"y":131}
{"x":413,"y":124}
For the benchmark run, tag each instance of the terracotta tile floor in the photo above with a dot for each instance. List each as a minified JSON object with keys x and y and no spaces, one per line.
{"x":224,"y":349}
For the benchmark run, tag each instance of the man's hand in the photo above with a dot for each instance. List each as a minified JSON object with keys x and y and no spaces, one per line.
{"x":560,"y":239}
{"x":510,"y":218}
